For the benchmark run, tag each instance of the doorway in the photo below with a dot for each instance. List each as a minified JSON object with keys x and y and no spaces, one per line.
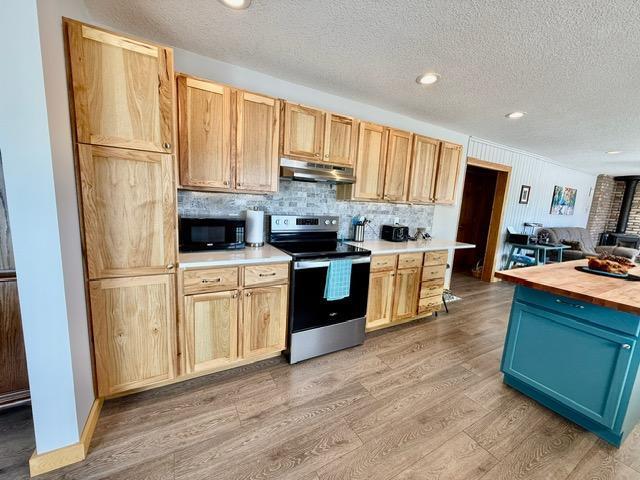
{"x":481,"y":213}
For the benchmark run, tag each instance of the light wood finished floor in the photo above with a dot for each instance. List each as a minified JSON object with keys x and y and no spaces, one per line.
{"x":421,"y":401}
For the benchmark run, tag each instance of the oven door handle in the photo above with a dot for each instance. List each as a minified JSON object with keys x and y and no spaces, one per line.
{"x":303,"y":265}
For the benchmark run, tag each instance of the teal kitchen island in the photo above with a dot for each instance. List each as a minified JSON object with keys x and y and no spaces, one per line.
{"x":572,"y":345}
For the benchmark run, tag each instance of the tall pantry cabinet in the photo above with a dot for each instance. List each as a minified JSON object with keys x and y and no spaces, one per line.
{"x":123,"y":112}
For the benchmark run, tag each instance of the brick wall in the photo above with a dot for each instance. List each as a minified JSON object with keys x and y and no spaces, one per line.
{"x":605,"y":207}
{"x":601,"y":205}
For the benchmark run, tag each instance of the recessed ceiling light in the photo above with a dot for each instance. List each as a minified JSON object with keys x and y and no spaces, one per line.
{"x":614,"y":152}
{"x":428,"y":78}
{"x":515,"y":115}
{"x":236,"y":4}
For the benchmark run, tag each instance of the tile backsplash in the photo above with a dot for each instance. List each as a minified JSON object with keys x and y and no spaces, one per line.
{"x":300,"y":198}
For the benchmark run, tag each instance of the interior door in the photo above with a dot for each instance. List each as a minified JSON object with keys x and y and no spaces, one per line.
{"x":128,"y":204}
{"x":424,"y":162}
{"x":133,"y":331}
{"x":211,"y":330}
{"x":122,"y":89}
{"x":406,"y":293}
{"x":380,"y":300}
{"x":578,"y":365}
{"x":341,"y":138}
{"x":303,"y":132}
{"x":371,"y":162}
{"x":205,"y":134}
{"x":447,"y":175}
{"x":14,"y":381}
{"x":396,"y":180}
{"x":264,"y":320}
{"x":257,"y":161}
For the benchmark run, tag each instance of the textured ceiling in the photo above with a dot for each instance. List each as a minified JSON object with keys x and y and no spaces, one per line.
{"x":573,"y":65}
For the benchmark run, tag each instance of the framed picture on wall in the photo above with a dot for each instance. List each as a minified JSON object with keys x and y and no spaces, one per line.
{"x":525,"y":190}
{"x":563,"y":201}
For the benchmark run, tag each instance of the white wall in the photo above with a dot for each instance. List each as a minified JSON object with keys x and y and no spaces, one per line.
{"x":542,"y":175}
{"x":37,"y":225}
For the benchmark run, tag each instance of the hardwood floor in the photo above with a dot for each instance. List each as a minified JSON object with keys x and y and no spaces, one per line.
{"x":424,"y":400}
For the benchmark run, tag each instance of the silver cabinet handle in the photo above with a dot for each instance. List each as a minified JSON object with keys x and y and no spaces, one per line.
{"x":235,"y":295}
{"x":166,"y":145}
{"x":626,"y":346}
{"x":226,"y":182}
{"x":574,"y":305}
{"x":267,"y":274}
{"x":216,"y":280}
{"x":248,"y":294}
{"x":170,"y":266}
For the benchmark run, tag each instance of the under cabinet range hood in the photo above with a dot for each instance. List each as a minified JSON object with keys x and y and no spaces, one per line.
{"x":315,"y":172}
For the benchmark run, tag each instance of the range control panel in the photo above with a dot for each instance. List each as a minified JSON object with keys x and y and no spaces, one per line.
{"x":294,"y":223}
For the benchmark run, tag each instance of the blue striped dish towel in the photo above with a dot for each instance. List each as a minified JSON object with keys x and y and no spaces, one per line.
{"x":338,"y":280}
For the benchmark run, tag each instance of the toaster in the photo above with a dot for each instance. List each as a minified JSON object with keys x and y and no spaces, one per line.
{"x":395,"y":233}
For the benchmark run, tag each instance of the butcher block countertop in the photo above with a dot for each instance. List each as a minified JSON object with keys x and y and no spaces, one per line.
{"x":563,"y":279}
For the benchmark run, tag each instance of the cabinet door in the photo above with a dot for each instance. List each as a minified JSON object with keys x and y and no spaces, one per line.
{"x":133,"y":331}
{"x":303,"y":132}
{"x":14,"y":382}
{"x":257,"y":126}
{"x":264,"y":324}
{"x":578,"y":365}
{"x":6,"y":248}
{"x":122,"y":90}
{"x":211,"y":330}
{"x":380,"y":298}
{"x":424,"y":161}
{"x":128,"y":203}
{"x":447,"y":175}
{"x":370,"y":163}
{"x":396,"y":180}
{"x":406,"y":293}
{"x":205,"y":134}
{"x":341,"y":139}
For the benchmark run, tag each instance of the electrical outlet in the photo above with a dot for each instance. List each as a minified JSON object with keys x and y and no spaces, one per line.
{"x":396,"y":220}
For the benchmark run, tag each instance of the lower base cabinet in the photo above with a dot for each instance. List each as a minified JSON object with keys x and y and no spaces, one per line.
{"x":406,"y":293}
{"x":134,"y":332}
{"x":14,"y":381}
{"x":380,"y":301}
{"x":264,"y":321}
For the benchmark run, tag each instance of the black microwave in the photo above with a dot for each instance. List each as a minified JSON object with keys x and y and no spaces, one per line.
{"x":211,"y":234}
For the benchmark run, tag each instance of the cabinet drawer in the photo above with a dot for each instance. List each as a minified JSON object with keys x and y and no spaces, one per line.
{"x":380,"y":263}
{"x":210,"y":280}
{"x":433,"y":273}
{"x":409,"y":260}
{"x":429,"y":304}
{"x":579,"y":365}
{"x":436,"y":258}
{"x":266,"y":274}
{"x":606,"y":317}
{"x":431,"y":288}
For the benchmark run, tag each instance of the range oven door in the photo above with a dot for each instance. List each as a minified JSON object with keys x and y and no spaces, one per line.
{"x":308,"y":307}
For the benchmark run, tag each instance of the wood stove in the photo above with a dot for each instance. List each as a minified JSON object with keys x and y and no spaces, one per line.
{"x":620,"y":237}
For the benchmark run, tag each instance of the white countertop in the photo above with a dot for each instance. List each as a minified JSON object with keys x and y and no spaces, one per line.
{"x":380,"y":247}
{"x":243,"y":256}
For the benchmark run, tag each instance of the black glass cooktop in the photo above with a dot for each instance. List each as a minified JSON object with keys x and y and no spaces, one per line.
{"x":317,"y":249}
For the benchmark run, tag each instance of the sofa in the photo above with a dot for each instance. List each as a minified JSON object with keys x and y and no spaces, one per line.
{"x":581,"y":244}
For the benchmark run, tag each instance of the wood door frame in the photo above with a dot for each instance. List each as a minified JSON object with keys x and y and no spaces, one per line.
{"x":497,"y":214}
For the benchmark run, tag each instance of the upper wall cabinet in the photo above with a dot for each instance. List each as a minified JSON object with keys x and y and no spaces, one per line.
{"x":396,"y":179}
{"x":122,"y":89}
{"x":258,"y":119}
{"x":204,"y":134}
{"x":303,"y":132}
{"x":128,"y":205}
{"x":228,"y":138}
{"x":317,"y":136}
{"x":424,"y":163}
{"x":447,"y":174}
{"x":371,"y":162}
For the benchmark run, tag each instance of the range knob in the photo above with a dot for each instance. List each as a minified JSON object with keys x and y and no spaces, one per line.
{"x":277,"y":222}
{"x":286,"y":222}
{"x":327,"y":222}
{"x":333,"y":222}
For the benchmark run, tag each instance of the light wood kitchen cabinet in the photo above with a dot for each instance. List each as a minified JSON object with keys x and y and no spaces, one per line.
{"x":211,"y":330}
{"x":370,"y":162}
{"x":303,"y":132}
{"x":133,"y":332}
{"x":264,"y":320}
{"x":406,"y":293}
{"x":380,"y":301}
{"x":122,"y":89}
{"x":204,"y":127}
{"x":424,"y":164}
{"x":341,"y":140}
{"x":447,"y":174}
{"x":14,"y":381}
{"x":396,"y":179}
{"x":128,"y":204}
{"x":257,"y":123}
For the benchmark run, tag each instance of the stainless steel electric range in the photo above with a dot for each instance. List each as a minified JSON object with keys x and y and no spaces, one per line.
{"x":316,"y":325}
